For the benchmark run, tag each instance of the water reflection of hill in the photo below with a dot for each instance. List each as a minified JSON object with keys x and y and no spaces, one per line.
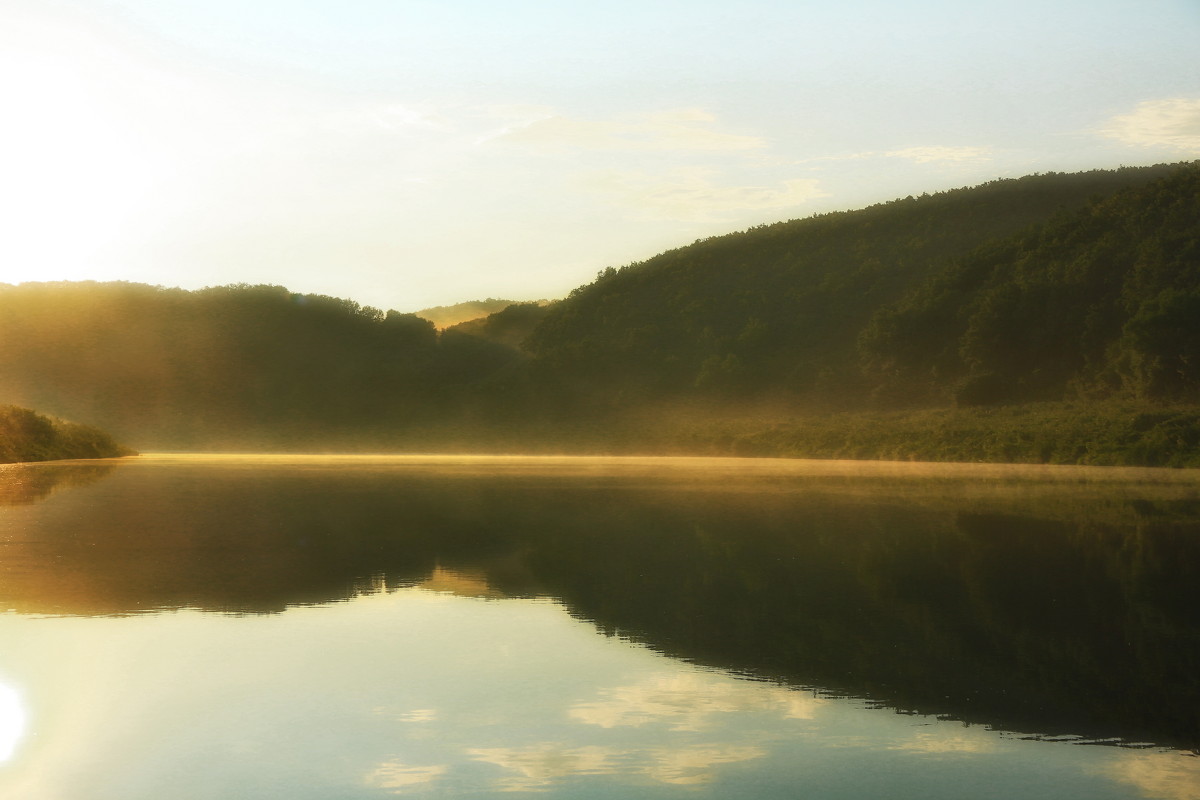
{"x":21,"y":484}
{"x":1052,"y":609}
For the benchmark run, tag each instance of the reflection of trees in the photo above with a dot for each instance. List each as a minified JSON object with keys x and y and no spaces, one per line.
{"x":1027,"y":624}
{"x":1037,"y":620}
{"x":22,"y":484}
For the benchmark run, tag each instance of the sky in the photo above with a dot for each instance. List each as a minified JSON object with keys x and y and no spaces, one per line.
{"x":406,"y":154}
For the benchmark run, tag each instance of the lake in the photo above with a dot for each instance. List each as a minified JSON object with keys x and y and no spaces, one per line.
{"x":364,"y":627}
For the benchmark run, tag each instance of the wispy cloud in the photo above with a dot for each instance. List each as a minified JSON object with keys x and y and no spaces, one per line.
{"x":693,"y":194}
{"x":936,"y":153}
{"x":675,"y":130}
{"x":1173,"y":123}
{"x":924,"y":154}
{"x":385,"y":118}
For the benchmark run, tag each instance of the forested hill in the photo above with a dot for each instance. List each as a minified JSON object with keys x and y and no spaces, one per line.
{"x":446,"y":316}
{"x":229,"y":367}
{"x":780,"y":310}
{"x":1081,"y":288}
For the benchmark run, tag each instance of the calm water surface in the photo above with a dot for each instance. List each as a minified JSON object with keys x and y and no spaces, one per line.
{"x":342,"y":627}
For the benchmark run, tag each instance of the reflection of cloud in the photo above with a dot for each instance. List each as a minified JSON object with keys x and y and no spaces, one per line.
{"x":419,"y":715}
{"x":540,"y":766}
{"x":407,"y":715}
{"x":1173,"y":123}
{"x":687,"y":701}
{"x":398,"y":776}
{"x":947,"y":742}
{"x":694,"y":765}
{"x":686,"y":130}
{"x":1164,"y":776}
{"x":690,"y":194}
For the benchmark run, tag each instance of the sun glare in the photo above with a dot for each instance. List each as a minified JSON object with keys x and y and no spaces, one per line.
{"x":12,"y":721}
{"x":74,"y":161}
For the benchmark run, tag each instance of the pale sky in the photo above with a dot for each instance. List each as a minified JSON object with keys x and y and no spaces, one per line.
{"x":406,"y":154}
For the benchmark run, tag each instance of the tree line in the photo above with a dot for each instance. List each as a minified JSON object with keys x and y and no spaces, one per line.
{"x":1049,"y":288}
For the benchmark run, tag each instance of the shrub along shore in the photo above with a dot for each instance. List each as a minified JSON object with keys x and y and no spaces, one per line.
{"x":1109,"y":434}
{"x":1097,"y":434}
{"x":28,"y":436}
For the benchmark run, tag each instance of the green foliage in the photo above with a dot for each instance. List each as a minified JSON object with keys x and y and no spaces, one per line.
{"x":449,"y":316}
{"x":1102,"y":434}
{"x":229,"y":366}
{"x":781,"y":309}
{"x":509,"y":327}
{"x":1090,"y":303}
{"x":28,"y":436}
{"x":1160,"y":344}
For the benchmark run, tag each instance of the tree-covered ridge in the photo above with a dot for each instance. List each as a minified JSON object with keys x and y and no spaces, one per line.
{"x":1081,"y":290}
{"x":1100,"y":301}
{"x":28,"y":436}
{"x":779,"y":308}
{"x":172,"y":367}
{"x":448,"y":316}
{"x":510,"y":327}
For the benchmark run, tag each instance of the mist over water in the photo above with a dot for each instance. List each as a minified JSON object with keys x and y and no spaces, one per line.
{"x":368,"y":625}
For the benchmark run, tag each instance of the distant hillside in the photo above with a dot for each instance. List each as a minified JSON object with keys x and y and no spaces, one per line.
{"x":509,"y":327}
{"x":28,"y":436}
{"x":778,"y":310}
{"x":230,"y":367}
{"x":446,"y":316}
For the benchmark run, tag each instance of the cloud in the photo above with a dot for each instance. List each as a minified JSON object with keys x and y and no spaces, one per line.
{"x":383,"y":118}
{"x":688,"y":702}
{"x":924,"y":154}
{"x":399,"y":777}
{"x":691,"y":194}
{"x":1172,"y":123}
{"x":935,"y":153}
{"x":676,"y":130}
{"x":1165,"y":776}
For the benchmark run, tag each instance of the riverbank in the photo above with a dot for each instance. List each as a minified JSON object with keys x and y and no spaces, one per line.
{"x":1099,"y":434}
{"x":1051,"y":433}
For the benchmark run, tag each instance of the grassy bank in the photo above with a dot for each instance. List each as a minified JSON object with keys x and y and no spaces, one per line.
{"x":1058,"y":433}
{"x":28,"y":436}
{"x":1101,"y":434}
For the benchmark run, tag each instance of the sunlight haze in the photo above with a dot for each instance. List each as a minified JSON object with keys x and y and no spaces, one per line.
{"x":410,"y":154}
